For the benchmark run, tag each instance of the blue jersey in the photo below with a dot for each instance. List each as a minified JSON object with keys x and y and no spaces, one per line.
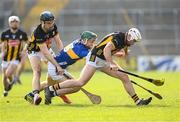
{"x":71,"y":53}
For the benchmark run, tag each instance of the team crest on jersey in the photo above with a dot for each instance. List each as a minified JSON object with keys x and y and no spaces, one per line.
{"x":13,"y":36}
{"x":20,"y":37}
{"x":13,"y":42}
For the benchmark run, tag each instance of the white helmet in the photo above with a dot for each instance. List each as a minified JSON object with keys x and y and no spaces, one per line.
{"x":135,"y":34}
{"x":13,"y":18}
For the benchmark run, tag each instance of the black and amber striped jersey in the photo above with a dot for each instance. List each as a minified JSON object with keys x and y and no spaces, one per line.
{"x":117,"y":39}
{"x":13,"y":44}
{"x":39,"y":37}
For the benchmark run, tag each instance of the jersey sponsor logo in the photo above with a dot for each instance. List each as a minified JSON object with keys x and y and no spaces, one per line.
{"x":20,"y":37}
{"x":13,"y":42}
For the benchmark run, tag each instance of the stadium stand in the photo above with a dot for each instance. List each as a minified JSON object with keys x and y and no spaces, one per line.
{"x":157,"y":19}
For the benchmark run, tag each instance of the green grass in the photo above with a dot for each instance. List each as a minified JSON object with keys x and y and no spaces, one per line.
{"x":116,"y":104}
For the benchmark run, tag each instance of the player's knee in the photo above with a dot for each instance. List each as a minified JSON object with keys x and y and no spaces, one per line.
{"x":76,"y":89}
{"x":80,"y":84}
{"x":37,"y":72}
{"x":124,"y":78}
{"x":8,"y":73}
{"x":82,"y":81}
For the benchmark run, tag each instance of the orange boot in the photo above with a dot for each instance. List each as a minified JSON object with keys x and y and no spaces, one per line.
{"x":65,"y":99}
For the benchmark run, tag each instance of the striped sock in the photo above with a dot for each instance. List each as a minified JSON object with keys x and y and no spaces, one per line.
{"x":54,"y":88}
{"x":35,"y":92}
{"x":135,"y":98}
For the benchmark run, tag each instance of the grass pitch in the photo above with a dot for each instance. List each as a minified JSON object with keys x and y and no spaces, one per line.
{"x":116,"y":104}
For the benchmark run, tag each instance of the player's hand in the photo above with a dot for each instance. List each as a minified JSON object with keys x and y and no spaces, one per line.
{"x":120,"y":53}
{"x":59,"y":70}
{"x":113,"y":67}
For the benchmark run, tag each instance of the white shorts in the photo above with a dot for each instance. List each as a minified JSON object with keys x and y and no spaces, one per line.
{"x":40,"y":55}
{"x":5,"y":64}
{"x":52,"y":72}
{"x":97,"y":63}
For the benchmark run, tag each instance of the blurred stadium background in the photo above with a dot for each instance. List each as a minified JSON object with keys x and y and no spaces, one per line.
{"x":158,"y":20}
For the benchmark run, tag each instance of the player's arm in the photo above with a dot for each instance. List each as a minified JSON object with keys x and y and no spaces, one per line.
{"x":3,"y":49}
{"x":4,"y":44}
{"x":25,"y":41}
{"x":108,"y":55}
{"x":24,"y":44}
{"x":58,"y":42}
{"x":107,"y":52}
{"x":23,"y":52}
{"x":120,"y":53}
{"x":47,"y":54}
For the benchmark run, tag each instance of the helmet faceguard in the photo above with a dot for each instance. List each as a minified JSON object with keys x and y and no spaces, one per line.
{"x":135,"y":34}
{"x":12,"y":25}
{"x":13,"y":18}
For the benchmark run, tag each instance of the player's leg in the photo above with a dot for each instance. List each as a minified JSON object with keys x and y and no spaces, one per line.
{"x":5,"y":83}
{"x":4,"y":78}
{"x":70,"y":86}
{"x":86,"y":74}
{"x":20,"y":69}
{"x":127,"y":85}
{"x":50,"y":82}
{"x":30,"y":96}
{"x":123,"y":77}
{"x":43,"y":85}
{"x":8,"y":71}
{"x":35,"y":62}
